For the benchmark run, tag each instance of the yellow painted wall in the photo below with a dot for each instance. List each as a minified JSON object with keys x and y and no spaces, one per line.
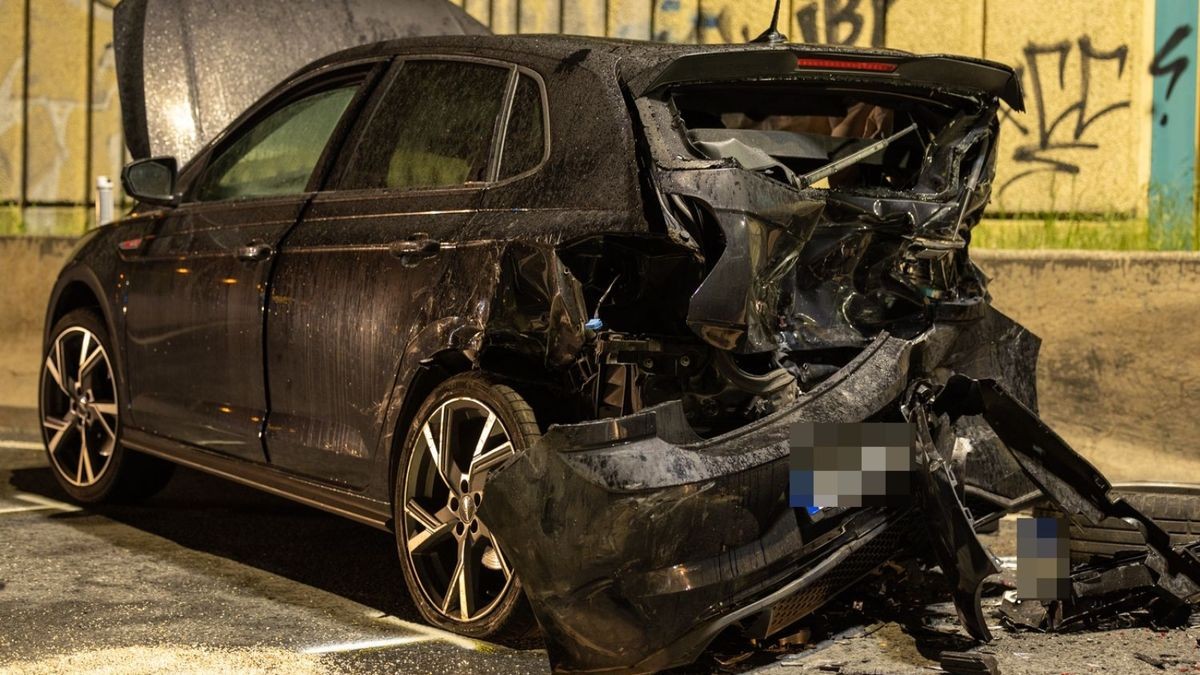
{"x":1094,"y":159}
{"x":58,"y":111}
{"x":11,"y":68}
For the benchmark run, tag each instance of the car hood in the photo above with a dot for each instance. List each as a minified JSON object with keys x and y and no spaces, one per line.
{"x":185,"y":70}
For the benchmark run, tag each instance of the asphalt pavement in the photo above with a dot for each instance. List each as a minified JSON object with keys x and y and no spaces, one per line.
{"x":213,"y":577}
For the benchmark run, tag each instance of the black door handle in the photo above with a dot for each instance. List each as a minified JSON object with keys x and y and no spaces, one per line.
{"x":254,"y":251}
{"x":416,"y":248}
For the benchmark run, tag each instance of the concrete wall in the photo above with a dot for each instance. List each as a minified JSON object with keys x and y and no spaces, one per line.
{"x":1119,"y":375}
{"x":28,"y":266}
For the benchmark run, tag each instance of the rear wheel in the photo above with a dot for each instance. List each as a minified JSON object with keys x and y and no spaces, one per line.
{"x":455,"y":569}
{"x":81,"y":421}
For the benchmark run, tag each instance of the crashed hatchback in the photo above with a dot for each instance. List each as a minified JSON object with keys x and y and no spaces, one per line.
{"x":550,"y":309}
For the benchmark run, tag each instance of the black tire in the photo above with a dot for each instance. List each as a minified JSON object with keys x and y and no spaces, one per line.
{"x":1175,"y":509}
{"x":507,"y":616}
{"x":125,"y":476}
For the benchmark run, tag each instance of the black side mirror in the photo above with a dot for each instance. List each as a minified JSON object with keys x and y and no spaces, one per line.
{"x":152,"y":181}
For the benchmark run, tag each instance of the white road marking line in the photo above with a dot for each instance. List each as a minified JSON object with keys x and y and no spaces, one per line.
{"x":20,"y":445}
{"x":37,"y":503}
{"x":364,"y":645}
{"x":25,"y":509}
{"x":46,"y":501}
{"x":436,"y":633}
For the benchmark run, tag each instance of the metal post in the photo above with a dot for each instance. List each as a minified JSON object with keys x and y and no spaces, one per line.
{"x":1173,"y":139}
{"x":104,"y":200}
{"x":24,"y":195}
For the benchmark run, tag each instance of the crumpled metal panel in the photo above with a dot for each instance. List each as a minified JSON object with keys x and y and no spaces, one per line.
{"x":187,"y":69}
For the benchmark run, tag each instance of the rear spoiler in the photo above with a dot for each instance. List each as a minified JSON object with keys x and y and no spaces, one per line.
{"x":957,"y":73}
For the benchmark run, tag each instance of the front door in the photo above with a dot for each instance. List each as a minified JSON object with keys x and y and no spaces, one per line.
{"x":196,"y":293}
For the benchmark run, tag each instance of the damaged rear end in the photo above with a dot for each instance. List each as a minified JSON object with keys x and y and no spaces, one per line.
{"x":808,"y":262}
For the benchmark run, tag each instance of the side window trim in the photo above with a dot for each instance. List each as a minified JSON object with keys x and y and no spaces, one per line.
{"x":507,"y":115}
{"x":340,"y":167}
{"x":500,"y":134}
{"x":367,"y":74}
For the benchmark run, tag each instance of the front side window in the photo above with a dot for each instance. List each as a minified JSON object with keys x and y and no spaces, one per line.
{"x":278,"y":155}
{"x":433,"y":127}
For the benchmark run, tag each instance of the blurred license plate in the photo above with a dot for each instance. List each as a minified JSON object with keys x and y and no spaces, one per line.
{"x":850,"y":465}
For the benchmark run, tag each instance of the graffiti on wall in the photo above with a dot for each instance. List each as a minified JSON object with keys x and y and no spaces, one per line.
{"x":841,"y":22}
{"x":1170,"y":61}
{"x":846,"y":22}
{"x":1047,"y":141}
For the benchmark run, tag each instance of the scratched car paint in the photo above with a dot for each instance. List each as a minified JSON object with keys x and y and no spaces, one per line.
{"x":714,"y":244}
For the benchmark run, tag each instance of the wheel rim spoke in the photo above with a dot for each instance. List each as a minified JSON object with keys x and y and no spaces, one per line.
{"x":504,"y":568}
{"x":452,"y":590}
{"x":88,"y":361}
{"x":484,"y":435}
{"x":101,"y":411}
{"x":466,"y":580}
{"x":84,"y":461}
{"x":54,"y":367}
{"x":439,"y":452}
{"x":60,"y":428}
{"x":492,"y":458}
{"x":435,"y":527}
{"x":461,"y":590}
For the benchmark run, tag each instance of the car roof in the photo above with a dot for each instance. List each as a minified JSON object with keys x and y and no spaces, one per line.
{"x":648,"y":64}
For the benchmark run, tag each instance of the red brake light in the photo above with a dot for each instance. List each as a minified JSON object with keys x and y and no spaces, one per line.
{"x":844,"y":64}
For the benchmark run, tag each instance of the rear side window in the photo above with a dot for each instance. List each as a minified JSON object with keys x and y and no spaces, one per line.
{"x":277,"y":156}
{"x":525,"y":144}
{"x":433,"y":127}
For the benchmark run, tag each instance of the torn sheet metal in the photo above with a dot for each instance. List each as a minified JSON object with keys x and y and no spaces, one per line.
{"x":188,"y":69}
{"x":657,"y":539}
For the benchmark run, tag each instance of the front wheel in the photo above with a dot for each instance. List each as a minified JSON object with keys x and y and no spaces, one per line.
{"x":455,"y":569}
{"x":81,"y":420}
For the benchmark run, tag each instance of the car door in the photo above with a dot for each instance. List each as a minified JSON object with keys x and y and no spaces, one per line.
{"x":354,"y":281}
{"x":196,"y":290}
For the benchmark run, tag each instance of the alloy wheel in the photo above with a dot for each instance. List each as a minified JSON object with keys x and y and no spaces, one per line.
{"x":459,"y":566}
{"x":79,"y":407}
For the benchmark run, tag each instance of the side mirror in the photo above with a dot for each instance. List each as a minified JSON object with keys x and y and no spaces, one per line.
{"x":152,"y":181}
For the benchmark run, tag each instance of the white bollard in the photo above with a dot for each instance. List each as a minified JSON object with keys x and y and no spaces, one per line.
{"x":104,"y":200}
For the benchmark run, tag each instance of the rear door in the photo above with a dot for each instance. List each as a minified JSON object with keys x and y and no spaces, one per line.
{"x":197,"y":289}
{"x":357,"y":279}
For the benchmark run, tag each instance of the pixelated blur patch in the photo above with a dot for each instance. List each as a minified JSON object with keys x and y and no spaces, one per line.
{"x":851,"y":465}
{"x":1043,"y":559}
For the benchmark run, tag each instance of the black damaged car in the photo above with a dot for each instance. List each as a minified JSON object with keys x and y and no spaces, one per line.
{"x":548,"y":309}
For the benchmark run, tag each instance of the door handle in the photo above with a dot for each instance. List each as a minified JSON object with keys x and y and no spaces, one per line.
{"x":254,"y":252}
{"x":416,"y":248}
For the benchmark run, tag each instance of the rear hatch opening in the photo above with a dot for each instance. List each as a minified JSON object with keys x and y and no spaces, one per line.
{"x":818,"y":138}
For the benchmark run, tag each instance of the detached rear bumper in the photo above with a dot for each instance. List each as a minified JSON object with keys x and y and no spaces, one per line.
{"x":637,"y":542}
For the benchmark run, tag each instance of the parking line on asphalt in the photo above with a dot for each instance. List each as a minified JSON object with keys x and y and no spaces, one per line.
{"x":24,"y":509}
{"x":37,"y":503}
{"x":365,"y":645}
{"x":436,"y":633}
{"x":20,"y":445}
